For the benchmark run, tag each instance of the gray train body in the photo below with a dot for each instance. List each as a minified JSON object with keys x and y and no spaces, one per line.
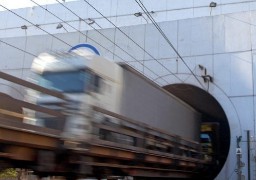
{"x":89,"y":80}
{"x":144,"y":101}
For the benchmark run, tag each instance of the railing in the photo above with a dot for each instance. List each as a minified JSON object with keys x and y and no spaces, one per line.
{"x":23,"y":104}
{"x":11,"y":121}
{"x":121,"y":132}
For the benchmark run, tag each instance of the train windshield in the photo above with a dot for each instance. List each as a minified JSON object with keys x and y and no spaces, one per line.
{"x":68,"y":81}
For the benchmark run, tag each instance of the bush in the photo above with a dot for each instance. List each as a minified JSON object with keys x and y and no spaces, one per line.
{"x":8,"y":173}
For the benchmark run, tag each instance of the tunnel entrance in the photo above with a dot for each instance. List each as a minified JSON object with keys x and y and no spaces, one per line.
{"x":213,"y":115}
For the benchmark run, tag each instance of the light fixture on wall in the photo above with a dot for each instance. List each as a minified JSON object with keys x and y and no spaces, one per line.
{"x":206,"y":77}
{"x":24,"y":27}
{"x":90,"y":21}
{"x":213,"y":4}
{"x":138,"y":14}
{"x":59,"y":26}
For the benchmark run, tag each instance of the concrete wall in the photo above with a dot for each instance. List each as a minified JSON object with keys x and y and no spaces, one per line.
{"x":121,"y":13}
{"x":222,"y":39}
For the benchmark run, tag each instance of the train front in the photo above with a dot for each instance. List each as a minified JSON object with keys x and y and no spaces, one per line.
{"x":67,"y":73}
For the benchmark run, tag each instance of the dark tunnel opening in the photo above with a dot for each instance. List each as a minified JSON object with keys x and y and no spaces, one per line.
{"x":212,"y":116}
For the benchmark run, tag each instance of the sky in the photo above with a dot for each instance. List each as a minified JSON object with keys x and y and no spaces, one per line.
{"x":16,"y":4}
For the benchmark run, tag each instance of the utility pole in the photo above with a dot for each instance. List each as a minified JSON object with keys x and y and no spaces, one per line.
{"x":239,"y":156}
{"x":248,"y":154}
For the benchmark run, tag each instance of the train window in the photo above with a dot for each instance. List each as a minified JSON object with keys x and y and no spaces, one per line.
{"x":97,"y":83}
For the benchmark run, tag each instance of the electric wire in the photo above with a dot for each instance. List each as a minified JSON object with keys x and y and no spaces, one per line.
{"x":165,"y":37}
{"x":111,"y":40}
{"x":73,"y":27}
{"x":131,"y":40}
{"x":43,"y":29}
{"x":35,"y":25}
{"x":49,"y":33}
{"x":22,"y":50}
{"x":31,"y":54}
{"x":95,"y":30}
{"x":92,"y":38}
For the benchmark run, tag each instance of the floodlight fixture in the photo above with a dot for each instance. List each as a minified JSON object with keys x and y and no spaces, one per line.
{"x":213,"y":4}
{"x":90,"y":21}
{"x":59,"y":26}
{"x":24,"y":27}
{"x":138,"y":14}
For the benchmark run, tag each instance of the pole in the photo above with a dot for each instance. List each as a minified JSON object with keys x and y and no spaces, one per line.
{"x":238,"y":156}
{"x":248,"y":154}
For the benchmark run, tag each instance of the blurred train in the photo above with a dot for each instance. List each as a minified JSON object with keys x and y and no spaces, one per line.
{"x":112,"y":102}
{"x":90,"y":80}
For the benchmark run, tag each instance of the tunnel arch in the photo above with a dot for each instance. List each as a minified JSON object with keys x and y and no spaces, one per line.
{"x":215,"y":107}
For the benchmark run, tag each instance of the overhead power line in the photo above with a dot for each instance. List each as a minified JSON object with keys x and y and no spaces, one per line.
{"x":94,"y":29}
{"x":80,"y":18}
{"x":73,"y":27}
{"x":131,"y":40}
{"x":109,"y":39}
{"x":31,"y":54}
{"x":92,"y":38}
{"x":165,"y":37}
{"x":52,"y":34}
{"x":35,"y":25}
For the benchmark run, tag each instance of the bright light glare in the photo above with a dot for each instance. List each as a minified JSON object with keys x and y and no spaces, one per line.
{"x":10,"y":4}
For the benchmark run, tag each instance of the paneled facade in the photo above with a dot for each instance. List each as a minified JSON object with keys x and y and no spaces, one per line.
{"x":220,"y":38}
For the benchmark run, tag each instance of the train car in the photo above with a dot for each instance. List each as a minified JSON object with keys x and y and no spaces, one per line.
{"x":90,"y":80}
{"x":112,"y":105}
{"x":143,"y":100}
